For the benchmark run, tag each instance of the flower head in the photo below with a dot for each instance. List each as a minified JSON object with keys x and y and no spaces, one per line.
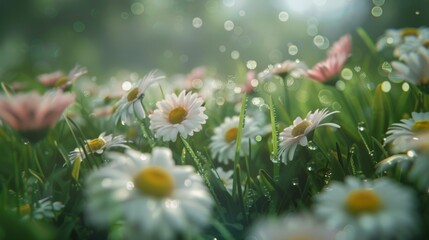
{"x":327,"y":69}
{"x":293,"y":68}
{"x":297,"y":133}
{"x":337,"y":56}
{"x":148,"y":194}
{"x":98,"y":145}
{"x":32,"y":114}
{"x":414,"y":68}
{"x":178,"y":115}
{"x":405,"y":131}
{"x":130,"y":106}
{"x":59,"y":80}
{"x":226,"y":178}
{"x":44,"y":208}
{"x":223,"y":142}
{"x":290,"y":227}
{"x":382,"y":209}
{"x":341,"y":47}
{"x":396,"y":37}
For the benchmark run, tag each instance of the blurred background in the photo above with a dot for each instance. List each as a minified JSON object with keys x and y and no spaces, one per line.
{"x":39,"y":36}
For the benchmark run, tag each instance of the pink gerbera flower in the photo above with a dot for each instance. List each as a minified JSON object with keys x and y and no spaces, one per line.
{"x":32,"y":114}
{"x":336,"y":58}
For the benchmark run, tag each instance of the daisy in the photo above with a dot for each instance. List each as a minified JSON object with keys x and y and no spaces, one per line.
{"x":178,"y":115}
{"x":414,"y":68}
{"x":31,"y":114}
{"x":226,"y":178}
{"x":130,"y":106}
{"x":98,"y":145}
{"x":297,"y":133}
{"x":41,"y":209}
{"x":59,"y":80}
{"x":290,"y":227}
{"x":410,"y":45}
{"x":294,"y":68}
{"x":405,"y":131}
{"x":395,"y":37}
{"x":418,"y":149}
{"x":148,"y":194}
{"x":223,"y":142}
{"x":382,"y":209}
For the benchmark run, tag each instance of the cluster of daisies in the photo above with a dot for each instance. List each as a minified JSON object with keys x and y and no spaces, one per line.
{"x":150,"y":192}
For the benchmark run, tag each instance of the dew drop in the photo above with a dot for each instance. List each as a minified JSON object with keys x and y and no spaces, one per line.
{"x":283,"y":16}
{"x":295,"y":182}
{"x":293,"y":49}
{"x":386,"y":86}
{"x":311,"y":145}
{"x":251,"y":64}
{"x":137,"y":8}
{"x":347,"y":74}
{"x":235,"y":54}
{"x":361,"y":126}
{"x":222,"y":48}
{"x":228,"y":25}
{"x":405,"y":87}
{"x":377,"y":11}
{"x":386,"y":67}
{"x":378,"y":2}
{"x":197,"y":22}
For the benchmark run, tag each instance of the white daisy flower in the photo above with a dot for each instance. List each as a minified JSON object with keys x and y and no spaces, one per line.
{"x":410,"y":45}
{"x":148,"y":194}
{"x":294,"y":68}
{"x":130,"y":106}
{"x":418,"y":150}
{"x":382,"y":209}
{"x":290,"y":227}
{"x":183,"y":115}
{"x":226,"y":178}
{"x":44,"y":208}
{"x":297,"y":133}
{"x":223,"y":142}
{"x":98,"y":145}
{"x":414,"y":68}
{"x":400,"y":133}
{"x":395,"y":37}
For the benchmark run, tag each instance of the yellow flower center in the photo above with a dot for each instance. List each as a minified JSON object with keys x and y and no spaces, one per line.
{"x":132,"y":94}
{"x":154,"y":181}
{"x":363,"y":201}
{"x":61,"y":81}
{"x":95,"y":144}
{"x":25,"y":208}
{"x":409,"y":32}
{"x":231,"y":134}
{"x":299,"y":129}
{"x":177,"y":115}
{"x":420,"y":126}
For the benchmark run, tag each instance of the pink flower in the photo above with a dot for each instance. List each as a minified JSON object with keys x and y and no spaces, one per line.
{"x":32,"y":114}
{"x":342,"y":46}
{"x":336,"y":58}
{"x":328,"y":68}
{"x":58,"y":79}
